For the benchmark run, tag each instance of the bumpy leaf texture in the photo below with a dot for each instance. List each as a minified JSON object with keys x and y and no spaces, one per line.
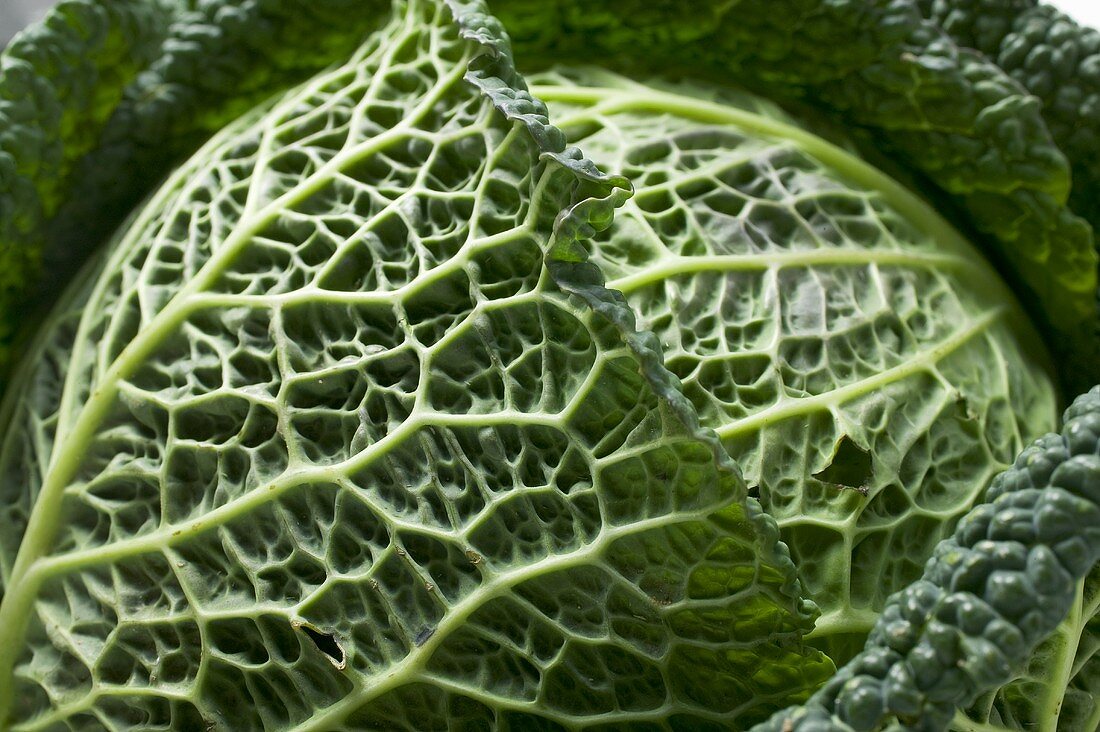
{"x":320,"y":443}
{"x":98,"y":100}
{"x":1059,"y":688}
{"x":947,"y":113}
{"x":989,"y":595}
{"x":1058,"y":61}
{"x":1055,"y":59}
{"x":861,"y":362}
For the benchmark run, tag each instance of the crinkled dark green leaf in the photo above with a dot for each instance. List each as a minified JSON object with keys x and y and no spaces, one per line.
{"x":1058,"y":61}
{"x":1055,"y":59}
{"x":1058,"y":688}
{"x":59,"y":83}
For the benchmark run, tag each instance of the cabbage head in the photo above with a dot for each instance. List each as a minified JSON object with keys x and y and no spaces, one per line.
{"x":609,"y":365}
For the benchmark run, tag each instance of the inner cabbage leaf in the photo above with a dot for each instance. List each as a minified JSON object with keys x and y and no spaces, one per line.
{"x":862,"y":363}
{"x":320,"y":444}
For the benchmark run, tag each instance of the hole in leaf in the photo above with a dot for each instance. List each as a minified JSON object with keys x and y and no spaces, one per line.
{"x":965,"y":408}
{"x":754,"y":492}
{"x":849,"y":468}
{"x":326,"y":644}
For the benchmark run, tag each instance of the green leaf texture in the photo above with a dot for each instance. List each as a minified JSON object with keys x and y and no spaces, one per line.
{"x":1055,"y":59}
{"x":861,"y":362}
{"x":99,"y":100}
{"x":945,"y":113}
{"x":1059,"y":689}
{"x":321,"y":444}
{"x":992,"y":593}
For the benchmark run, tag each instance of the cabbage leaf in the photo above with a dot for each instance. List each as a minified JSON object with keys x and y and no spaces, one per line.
{"x":320,"y":443}
{"x":862,"y":363}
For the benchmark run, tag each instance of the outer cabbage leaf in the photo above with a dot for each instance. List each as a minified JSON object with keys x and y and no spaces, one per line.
{"x":333,"y":449}
{"x":1055,"y":59}
{"x":1059,"y":688}
{"x":943,"y":112}
{"x":59,"y":82}
{"x":861,"y":362}
{"x":1059,"y":61}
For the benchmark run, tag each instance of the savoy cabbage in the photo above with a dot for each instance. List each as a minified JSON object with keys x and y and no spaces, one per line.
{"x":609,"y":365}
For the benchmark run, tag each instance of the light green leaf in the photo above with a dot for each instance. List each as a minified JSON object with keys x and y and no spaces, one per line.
{"x":861,"y":362}
{"x":333,"y":450}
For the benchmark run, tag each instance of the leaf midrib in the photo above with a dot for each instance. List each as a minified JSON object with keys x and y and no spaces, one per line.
{"x":676,"y":265}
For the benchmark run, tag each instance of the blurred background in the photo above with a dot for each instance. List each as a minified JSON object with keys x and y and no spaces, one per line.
{"x":14,"y":14}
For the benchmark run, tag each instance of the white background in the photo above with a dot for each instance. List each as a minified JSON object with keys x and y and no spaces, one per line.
{"x":14,"y":14}
{"x":1086,"y":12}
